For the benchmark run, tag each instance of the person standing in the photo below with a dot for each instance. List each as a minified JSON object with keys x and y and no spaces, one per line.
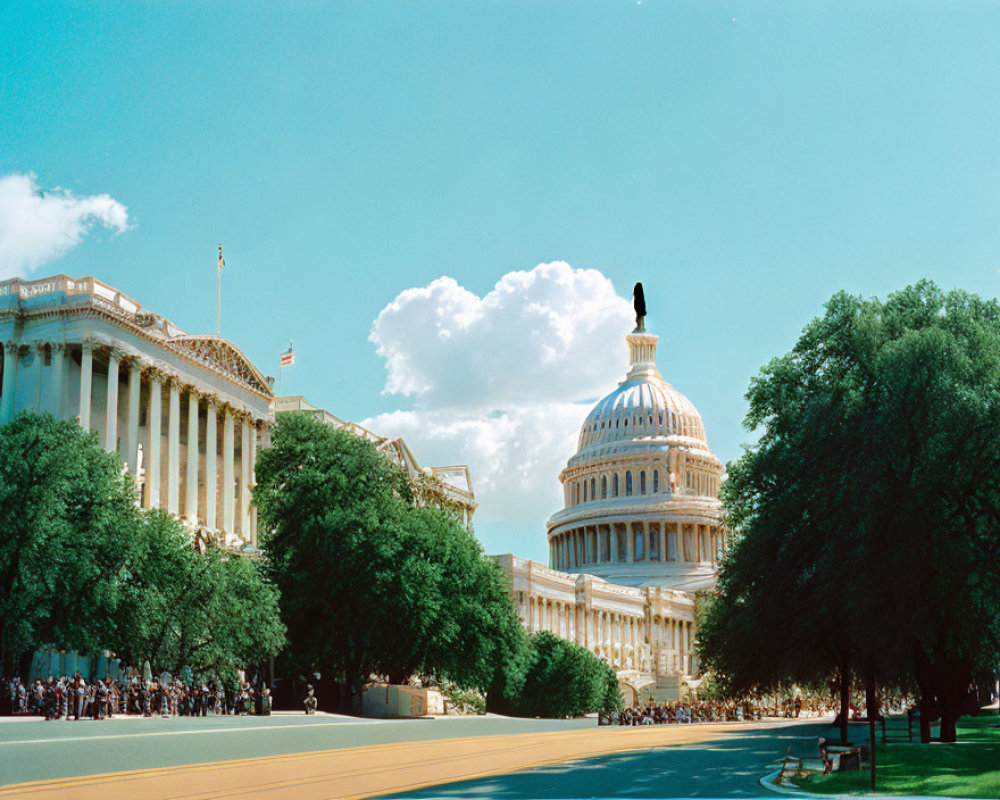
{"x":79,"y":696}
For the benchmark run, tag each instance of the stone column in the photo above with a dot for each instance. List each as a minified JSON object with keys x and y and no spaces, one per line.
{"x":191,"y":495}
{"x":211,"y":464}
{"x":59,"y":369}
{"x":245,"y":431}
{"x":9,"y":375}
{"x":38,"y":358}
{"x":153,"y":420}
{"x":86,"y":380}
{"x":132,"y":417}
{"x":252,"y":483}
{"x":228,"y":471}
{"x":111,"y":417}
{"x":174,"y":449}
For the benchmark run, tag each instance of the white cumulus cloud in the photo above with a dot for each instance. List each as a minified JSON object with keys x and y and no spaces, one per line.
{"x":503,"y":382}
{"x":37,"y":227}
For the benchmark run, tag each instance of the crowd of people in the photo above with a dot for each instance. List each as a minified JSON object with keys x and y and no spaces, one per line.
{"x":76,"y":698}
{"x":711,"y":711}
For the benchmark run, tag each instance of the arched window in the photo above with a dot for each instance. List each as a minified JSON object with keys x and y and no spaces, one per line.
{"x":642,"y":482}
{"x":656,"y":481}
{"x":604,"y":487}
{"x":614,"y":485}
{"x":628,"y":483}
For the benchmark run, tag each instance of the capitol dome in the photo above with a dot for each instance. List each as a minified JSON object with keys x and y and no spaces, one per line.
{"x":641,"y":492}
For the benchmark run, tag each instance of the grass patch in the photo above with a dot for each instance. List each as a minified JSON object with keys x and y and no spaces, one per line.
{"x":968,"y":768}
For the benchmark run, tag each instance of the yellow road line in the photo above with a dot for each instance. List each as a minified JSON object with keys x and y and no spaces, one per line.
{"x":358,"y":772}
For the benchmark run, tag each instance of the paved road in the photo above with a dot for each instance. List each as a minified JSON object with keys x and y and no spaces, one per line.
{"x":284,"y":757}
{"x":32,"y":750}
{"x":726,"y":767}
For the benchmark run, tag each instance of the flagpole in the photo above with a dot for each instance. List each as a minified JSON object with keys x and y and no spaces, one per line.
{"x":218,"y":325}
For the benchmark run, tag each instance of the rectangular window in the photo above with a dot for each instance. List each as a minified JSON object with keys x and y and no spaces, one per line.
{"x":671,"y":545}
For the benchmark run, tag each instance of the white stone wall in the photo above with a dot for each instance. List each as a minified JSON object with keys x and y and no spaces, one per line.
{"x":186,"y":413}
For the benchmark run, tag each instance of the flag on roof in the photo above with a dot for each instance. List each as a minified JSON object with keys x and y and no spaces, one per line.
{"x":288,"y":357}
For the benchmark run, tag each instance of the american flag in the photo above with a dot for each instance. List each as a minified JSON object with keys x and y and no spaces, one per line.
{"x":288,"y":357}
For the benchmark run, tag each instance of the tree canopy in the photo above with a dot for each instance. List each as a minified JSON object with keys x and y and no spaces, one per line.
{"x":210,"y":612}
{"x":82,"y":568}
{"x":66,"y":514}
{"x":370,"y":581}
{"x":563,"y":679}
{"x":866,"y":518}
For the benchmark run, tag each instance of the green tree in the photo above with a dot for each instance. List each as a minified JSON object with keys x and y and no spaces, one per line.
{"x":209,"y":611}
{"x":330,"y":507}
{"x":67,"y":513}
{"x":371,"y":582}
{"x":865,"y":518}
{"x":473,"y":626}
{"x":565,"y":680}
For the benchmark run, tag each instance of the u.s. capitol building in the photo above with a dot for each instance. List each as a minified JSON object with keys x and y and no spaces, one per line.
{"x":640,"y":533}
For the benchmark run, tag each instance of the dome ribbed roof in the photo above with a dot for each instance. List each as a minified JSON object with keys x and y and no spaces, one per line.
{"x":643,"y":406}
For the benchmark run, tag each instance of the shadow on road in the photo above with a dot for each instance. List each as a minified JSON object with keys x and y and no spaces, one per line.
{"x":729,"y":767}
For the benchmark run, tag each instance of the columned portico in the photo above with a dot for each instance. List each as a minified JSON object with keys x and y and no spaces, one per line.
{"x":54,"y":329}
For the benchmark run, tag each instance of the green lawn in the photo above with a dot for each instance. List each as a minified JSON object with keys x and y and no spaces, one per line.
{"x":969,"y":768}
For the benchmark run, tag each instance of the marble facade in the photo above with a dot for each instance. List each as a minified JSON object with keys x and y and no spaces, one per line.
{"x":641,"y":532}
{"x":186,"y":413}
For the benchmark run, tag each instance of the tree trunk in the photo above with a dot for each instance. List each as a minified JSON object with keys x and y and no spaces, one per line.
{"x":845,"y":699}
{"x":871,"y":698}
{"x":953,"y":675}
{"x":923,"y":671}
{"x":24,"y":665}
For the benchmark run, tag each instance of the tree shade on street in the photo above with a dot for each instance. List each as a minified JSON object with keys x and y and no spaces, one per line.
{"x":866,"y":518}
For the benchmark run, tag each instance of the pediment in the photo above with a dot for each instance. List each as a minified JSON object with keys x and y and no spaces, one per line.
{"x":224,"y":357}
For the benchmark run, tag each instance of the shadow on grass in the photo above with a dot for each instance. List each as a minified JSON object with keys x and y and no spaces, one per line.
{"x":729,"y":767}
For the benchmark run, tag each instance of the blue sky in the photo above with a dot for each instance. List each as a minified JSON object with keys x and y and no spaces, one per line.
{"x":744,"y":160}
